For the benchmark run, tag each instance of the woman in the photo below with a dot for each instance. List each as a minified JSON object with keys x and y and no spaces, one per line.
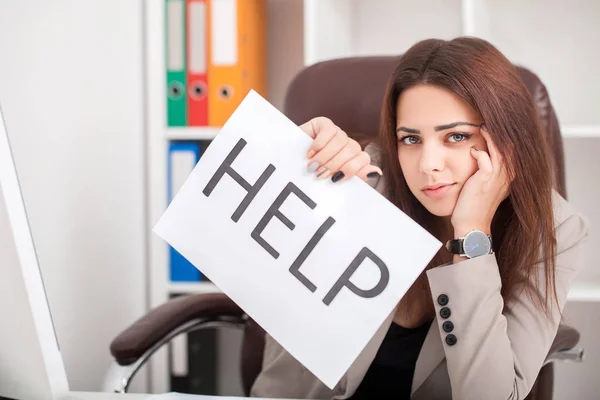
{"x":462,"y":153}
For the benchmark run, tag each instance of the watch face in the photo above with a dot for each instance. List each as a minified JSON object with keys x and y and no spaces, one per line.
{"x":476,"y":244}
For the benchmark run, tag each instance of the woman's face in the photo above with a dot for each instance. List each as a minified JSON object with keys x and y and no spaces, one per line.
{"x":436,"y":130}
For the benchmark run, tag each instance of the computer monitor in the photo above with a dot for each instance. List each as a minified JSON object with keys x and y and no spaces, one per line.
{"x":31,"y":365}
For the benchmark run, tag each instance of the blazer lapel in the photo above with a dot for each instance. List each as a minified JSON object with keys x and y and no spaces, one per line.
{"x":431,"y":355}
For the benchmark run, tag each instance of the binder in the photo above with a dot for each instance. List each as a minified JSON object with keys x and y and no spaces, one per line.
{"x":197,"y":60}
{"x":237,"y":48}
{"x":182,"y":158}
{"x":253,"y":32}
{"x":175,"y":62}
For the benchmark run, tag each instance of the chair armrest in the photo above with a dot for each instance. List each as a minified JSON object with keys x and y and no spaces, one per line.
{"x":144,"y":333}
{"x":573,"y":355}
{"x":563,"y":347}
{"x":566,"y":338}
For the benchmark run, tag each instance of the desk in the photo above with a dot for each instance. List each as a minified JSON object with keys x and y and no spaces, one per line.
{"x":110,"y":396}
{"x":142,"y":396}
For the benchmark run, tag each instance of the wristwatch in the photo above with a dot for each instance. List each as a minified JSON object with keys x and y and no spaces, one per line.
{"x":474,"y":244}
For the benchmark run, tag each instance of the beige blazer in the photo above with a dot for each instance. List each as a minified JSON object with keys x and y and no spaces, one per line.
{"x":497,"y":355}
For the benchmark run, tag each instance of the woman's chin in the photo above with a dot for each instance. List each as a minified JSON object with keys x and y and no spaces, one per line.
{"x":441,"y":214}
{"x":440,"y":208}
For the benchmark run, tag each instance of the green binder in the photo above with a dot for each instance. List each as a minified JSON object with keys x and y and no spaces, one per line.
{"x":175,"y":62}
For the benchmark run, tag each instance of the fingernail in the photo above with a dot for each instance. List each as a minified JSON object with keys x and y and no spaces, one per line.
{"x":474,"y":148}
{"x":484,"y":127}
{"x":337,"y":176}
{"x":373,"y":174}
{"x":312,"y":167}
{"x":325,"y":170}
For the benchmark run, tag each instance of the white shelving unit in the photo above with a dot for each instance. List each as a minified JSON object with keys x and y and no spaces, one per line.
{"x":158,"y":138}
{"x":580,"y":131}
{"x":192,"y":133}
{"x":557,"y":40}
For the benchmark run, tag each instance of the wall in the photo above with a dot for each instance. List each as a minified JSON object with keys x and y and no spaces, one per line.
{"x":285,"y":48}
{"x":71,"y":91}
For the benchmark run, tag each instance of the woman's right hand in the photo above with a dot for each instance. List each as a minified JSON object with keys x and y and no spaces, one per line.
{"x":334,"y":154}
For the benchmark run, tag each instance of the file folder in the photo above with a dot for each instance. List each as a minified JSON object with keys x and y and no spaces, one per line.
{"x":197,"y":60}
{"x":175,"y":62}
{"x":182,"y":158}
{"x":253,"y":34}
{"x":237,"y":49}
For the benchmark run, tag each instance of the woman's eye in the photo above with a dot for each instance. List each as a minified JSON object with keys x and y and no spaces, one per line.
{"x":409,"y":140}
{"x":458,"y":137}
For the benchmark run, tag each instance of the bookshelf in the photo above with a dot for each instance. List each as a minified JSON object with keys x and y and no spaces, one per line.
{"x":233,"y":33}
{"x":342,"y":28}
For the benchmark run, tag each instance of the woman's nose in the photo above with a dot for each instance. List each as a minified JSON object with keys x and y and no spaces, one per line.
{"x":432,"y":159}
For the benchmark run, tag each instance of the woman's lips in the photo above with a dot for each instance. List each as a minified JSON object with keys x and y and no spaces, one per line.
{"x":439,"y":191}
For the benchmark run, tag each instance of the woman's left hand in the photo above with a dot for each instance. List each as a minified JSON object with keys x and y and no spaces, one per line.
{"x":483,"y":192}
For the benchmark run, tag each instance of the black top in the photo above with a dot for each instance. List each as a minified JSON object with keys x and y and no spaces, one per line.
{"x":391,"y":372}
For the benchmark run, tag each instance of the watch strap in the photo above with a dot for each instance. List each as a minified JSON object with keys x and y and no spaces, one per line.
{"x":455,"y":246}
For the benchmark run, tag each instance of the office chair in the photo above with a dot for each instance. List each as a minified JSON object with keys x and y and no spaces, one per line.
{"x":350,"y":92}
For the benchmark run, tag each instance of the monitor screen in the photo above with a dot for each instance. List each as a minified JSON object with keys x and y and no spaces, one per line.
{"x":31,"y":365}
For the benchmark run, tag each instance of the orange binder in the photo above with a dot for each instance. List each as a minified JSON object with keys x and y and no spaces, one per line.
{"x":237,"y":55}
{"x":197,"y":62}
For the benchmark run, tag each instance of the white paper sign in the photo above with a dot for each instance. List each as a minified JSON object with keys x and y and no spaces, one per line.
{"x":319,"y":265}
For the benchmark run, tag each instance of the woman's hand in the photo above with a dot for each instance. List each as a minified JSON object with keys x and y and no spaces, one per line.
{"x":334,"y":154}
{"x":482,"y":193}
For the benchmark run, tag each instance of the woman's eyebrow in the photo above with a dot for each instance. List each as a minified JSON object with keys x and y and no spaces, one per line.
{"x":452,"y":125}
{"x":437,"y":128}
{"x":408,"y":130}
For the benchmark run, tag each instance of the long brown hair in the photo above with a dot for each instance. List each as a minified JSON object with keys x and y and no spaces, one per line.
{"x":523,"y":226}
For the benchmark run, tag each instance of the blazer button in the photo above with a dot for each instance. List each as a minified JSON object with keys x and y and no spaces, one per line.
{"x":451,"y":340}
{"x":448,"y":326}
{"x":445,"y":312}
{"x":442,"y":299}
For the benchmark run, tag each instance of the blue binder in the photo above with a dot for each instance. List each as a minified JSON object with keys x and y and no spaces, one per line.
{"x":182,"y":158}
